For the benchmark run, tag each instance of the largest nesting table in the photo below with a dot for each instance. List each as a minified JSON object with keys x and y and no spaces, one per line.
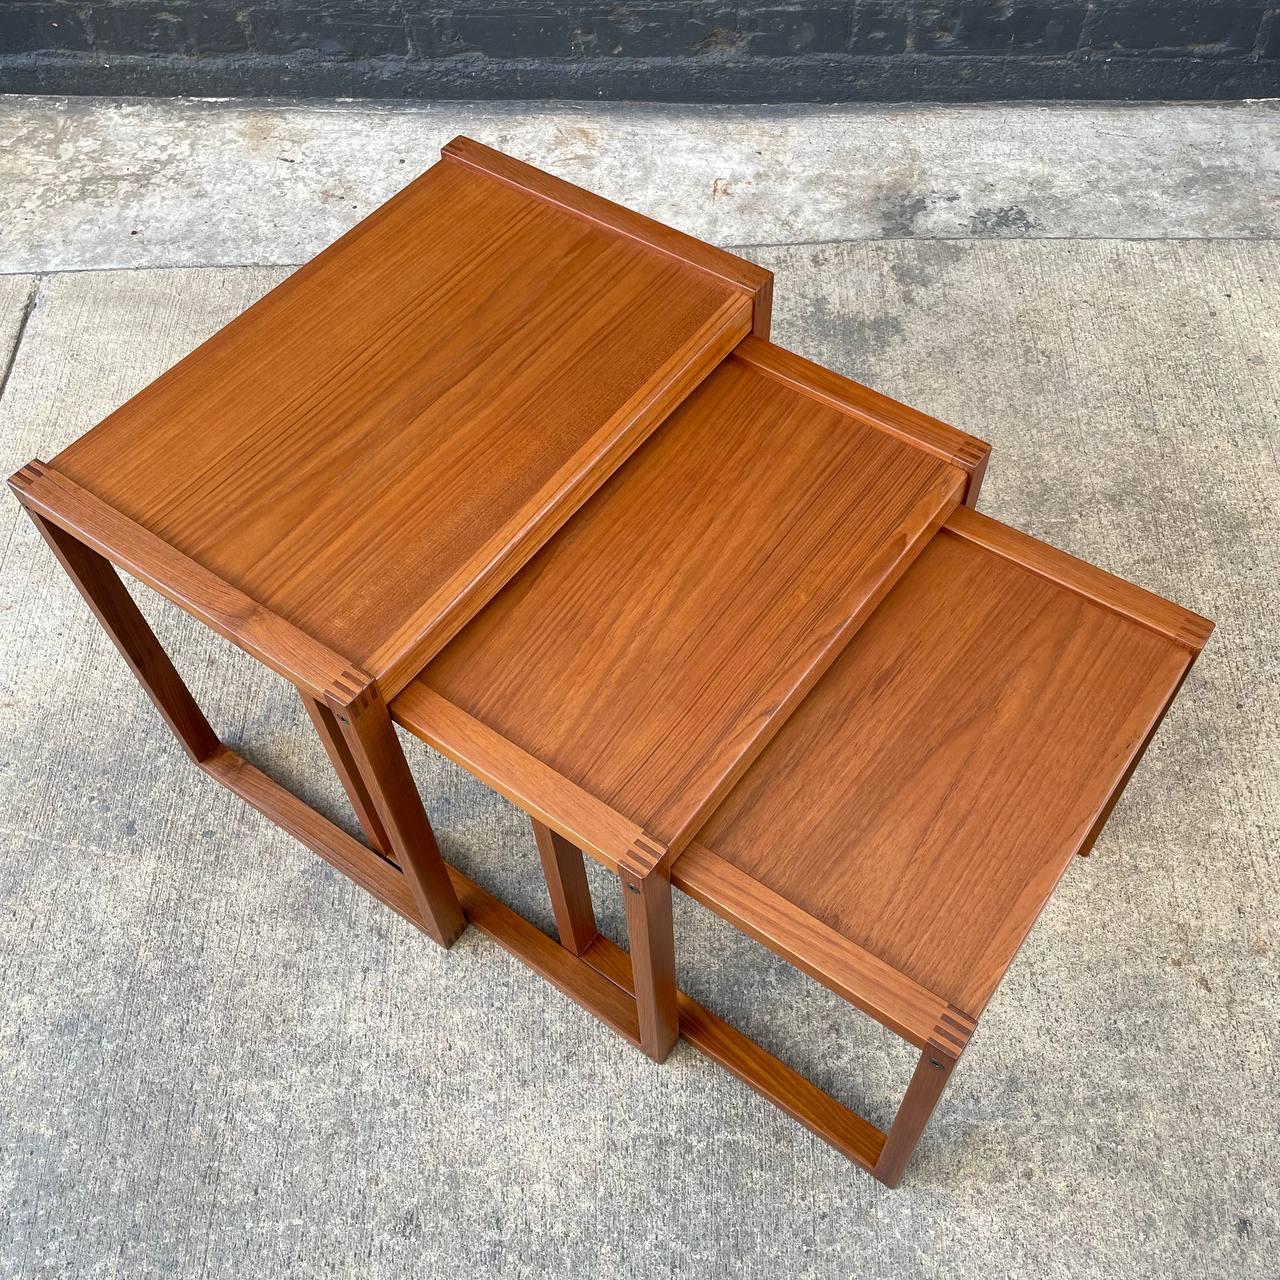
{"x":519,"y":470}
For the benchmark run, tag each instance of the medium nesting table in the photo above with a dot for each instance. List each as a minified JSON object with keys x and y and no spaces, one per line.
{"x":520,"y":471}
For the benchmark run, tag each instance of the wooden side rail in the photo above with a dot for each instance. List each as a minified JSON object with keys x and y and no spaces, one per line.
{"x":588,"y":823}
{"x":753,"y":280}
{"x":1180,"y":625}
{"x":302,"y":661}
{"x":599,"y":981}
{"x":354,"y":724}
{"x":349,"y":713}
{"x":878,"y":989}
{"x":891,"y":416}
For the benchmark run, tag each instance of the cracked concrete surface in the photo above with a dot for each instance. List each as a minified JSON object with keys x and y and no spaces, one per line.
{"x":218,"y":1058}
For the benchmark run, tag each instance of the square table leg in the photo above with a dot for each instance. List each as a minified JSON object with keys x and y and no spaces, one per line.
{"x":664,"y":1012}
{"x":565,"y":871}
{"x":929,"y":1079}
{"x":122,"y":620}
{"x":335,"y":744}
{"x":646,"y":895}
{"x":381,"y":777}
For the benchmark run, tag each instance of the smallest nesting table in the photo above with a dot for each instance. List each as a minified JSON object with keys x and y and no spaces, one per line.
{"x":520,"y":470}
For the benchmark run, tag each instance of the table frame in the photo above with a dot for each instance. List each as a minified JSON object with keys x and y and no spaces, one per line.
{"x":402,"y":866}
{"x":634,"y":994}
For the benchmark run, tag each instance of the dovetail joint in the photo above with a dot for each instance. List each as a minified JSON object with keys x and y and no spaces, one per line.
{"x":642,"y":859}
{"x":353,"y":691}
{"x":951,"y":1033}
{"x":28,"y":474}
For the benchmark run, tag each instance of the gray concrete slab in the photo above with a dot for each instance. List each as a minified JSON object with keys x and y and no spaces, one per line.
{"x":92,"y":183}
{"x":220,"y":1059}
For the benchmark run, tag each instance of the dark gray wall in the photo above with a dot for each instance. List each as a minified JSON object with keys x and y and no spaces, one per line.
{"x":708,"y":50}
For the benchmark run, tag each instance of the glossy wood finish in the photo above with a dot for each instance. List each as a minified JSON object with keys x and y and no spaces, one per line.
{"x":409,"y":416}
{"x":545,"y":795}
{"x":696,"y":599}
{"x":302,"y":660}
{"x":930,"y":792}
{"x":893,"y":999}
{"x":870,"y":407}
{"x":751,"y":666}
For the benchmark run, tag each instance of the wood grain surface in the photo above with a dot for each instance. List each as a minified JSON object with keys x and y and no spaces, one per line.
{"x":648,"y":652}
{"x":371,"y":449}
{"x":928,"y":795}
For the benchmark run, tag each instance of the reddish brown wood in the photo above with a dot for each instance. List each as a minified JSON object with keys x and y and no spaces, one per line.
{"x":1101,"y":821}
{"x":923,"y":1093}
{"x":970,"y":735}
{"x":544,"y":794}
{"x":122,"y":620}
{"x":582,"y":983}
{"x":855,"y":1138}
{"x":578,"y":980}
{"x":303,"y":661}
{"x":335,"y":744}
{"x":411,"y":417}
{"x":870,"y":407}
{"x":379,"y":761}
{"x":697,"y":598}
{"x":566,"y":876}
{"x":646,"y":895}
{"x":407,"y":418}
{"x":1149,"y":610}
{"x":893,"y":999}
{"x":614,"y":218}
{"x":601,"y":982}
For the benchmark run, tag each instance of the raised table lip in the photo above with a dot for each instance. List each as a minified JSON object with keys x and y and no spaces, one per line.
{"x":589,"y":821}
{"x":748,"y":276}
{"x":1174,"y":621}
{"x":889,"y":994}
{"x":432,"y":621}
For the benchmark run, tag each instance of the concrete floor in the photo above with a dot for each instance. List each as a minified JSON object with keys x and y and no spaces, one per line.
{"x":218,"y":1058}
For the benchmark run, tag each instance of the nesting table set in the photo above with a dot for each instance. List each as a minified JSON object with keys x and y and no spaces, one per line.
{"x":518,"y":470}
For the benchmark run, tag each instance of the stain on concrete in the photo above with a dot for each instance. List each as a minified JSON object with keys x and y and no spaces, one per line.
{"x":1011,"y":220}
{"x":900,"y":214}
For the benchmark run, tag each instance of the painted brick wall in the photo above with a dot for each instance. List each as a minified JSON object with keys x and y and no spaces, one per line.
{"x":702,"y":50}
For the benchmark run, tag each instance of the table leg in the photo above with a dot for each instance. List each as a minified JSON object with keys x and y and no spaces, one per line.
{"x":566,"y":873}
{"x":122,"y":620}
{"x":369,"y":748}
{"x":927,"y":1083}
{"x":335,"y":744}
{"x":646,"y":895}
{"x":382,"y":773}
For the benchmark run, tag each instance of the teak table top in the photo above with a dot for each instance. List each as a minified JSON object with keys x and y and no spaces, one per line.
{"x":376,"y":446}
{"x":927,"y":796}
{"x":634,"y":668}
